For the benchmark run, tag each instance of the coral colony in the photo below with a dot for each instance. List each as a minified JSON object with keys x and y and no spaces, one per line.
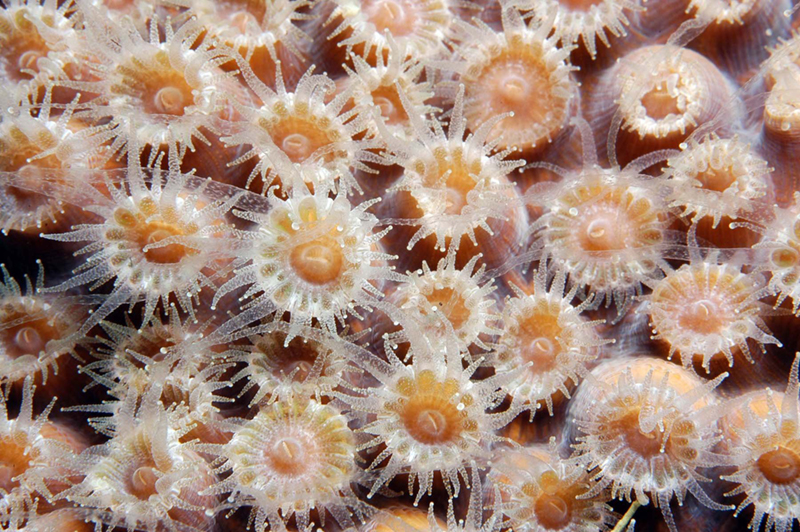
{"x":399,"y":265}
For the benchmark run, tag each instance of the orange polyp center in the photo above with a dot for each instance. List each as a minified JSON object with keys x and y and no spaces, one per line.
{"x":21,"y":47}
{"x":30,"y":334}
{"x":703,"y":317}
{"x":451,"y":304}
{"x":154,"y":232}
{"x":241,"y":20}
{"x":436,"y":424}
{"x":169,"y":254}
{"x":13,"y":462}
{"x":160,"y":88}
{"x":517,"y":77}
{"x":780,"y":466}
{"x":538,"y":341}
{"x":553,"y":511}
{"x":427,"y":413}
{"x":717,"y":179}
{"x":299,"y":355}
{"x":516,"y":81}
{"x":287,"y":456}
{"x":29,"y":340}
{"x":388,"y":101}
{"x":646,"y":444}
{"x":430,"y":425}
{"x":606,"y":224}
{"x":609,"y":219}
{"x":31,"y":337}
{"x":143,"y":481}
{"x":458,"y":180}
{"x":399,"y":17}
{"x":170,"y":100}
{"x":144,"y":234}
{"x":604,"y":231}
{"x":702,"y":300}
{"x":297,"y":146}
{"x":299,"y":138}
{"x":659,"y":103}
{"x":318,"y":262}
{"x":513,"y":89}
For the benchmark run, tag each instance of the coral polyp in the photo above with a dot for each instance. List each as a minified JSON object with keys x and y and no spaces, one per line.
{"x":650,"y":430}
{"x":293,"y":459}
{"x":144,"y":478}
{"x":767,"y":456}
{"x":781,"y":241}
{"x":705,"y":309}
{"x":450,"y":304}
{"x":35,"y":159}
{"x":127,"y":355}
{"x":35,"y":39}
{"x":33,"y":453}
{"x":586,"y":21}
{"x":36,"y":330}
{"x":542,"y":492}
{"x":148,"y":92}
{"x":163,"y":357}
{"x":430,"y":419}
{"x":607,"y":229}
{"x":155,"y":239}
{"x":303,"y":133}
{"x":381,"y":85}
{"x":660,"y":106}
{"x":420,"y":26}
{"x":521,"y":71}
{"x":456,"y":188}
{"x":717,"y":178}
{"x":313,"y":256}
{"x":263,"y":32}
{"x":542,"y":327}
{"x":277,"y":368}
